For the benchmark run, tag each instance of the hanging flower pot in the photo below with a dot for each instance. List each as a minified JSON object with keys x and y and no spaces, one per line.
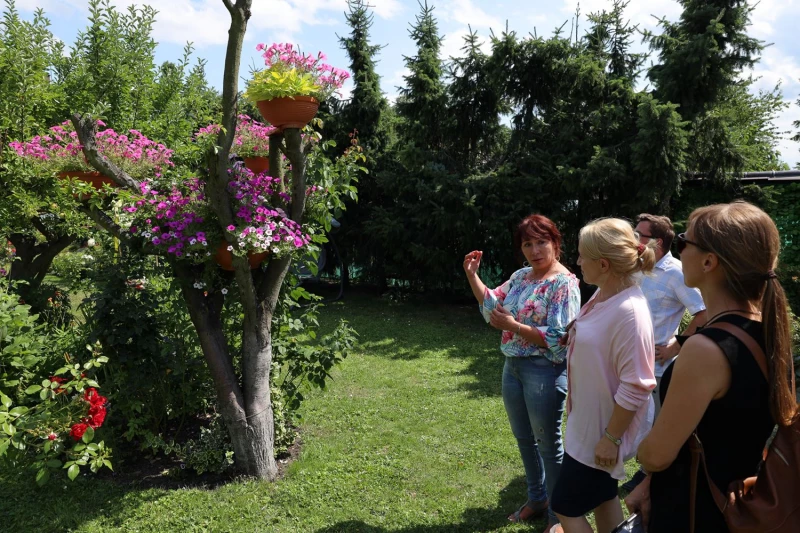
{"x":289,"y":112}
{"x":257,"y":164}
{"x":224,"y":257}
{"x":95,"y":179}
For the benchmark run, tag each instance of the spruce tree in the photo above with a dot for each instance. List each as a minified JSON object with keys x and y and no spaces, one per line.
{"x":703,"y":54}
{"x":422,"y":102}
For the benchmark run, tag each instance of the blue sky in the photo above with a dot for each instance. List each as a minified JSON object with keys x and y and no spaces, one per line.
{"x":316,"y":24}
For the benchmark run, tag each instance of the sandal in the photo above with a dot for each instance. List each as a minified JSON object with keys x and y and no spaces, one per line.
{"x":537,"y":510}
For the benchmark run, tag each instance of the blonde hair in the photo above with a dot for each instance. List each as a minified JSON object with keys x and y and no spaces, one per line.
{"x":613,"y":239}
{"x":747,"y":243}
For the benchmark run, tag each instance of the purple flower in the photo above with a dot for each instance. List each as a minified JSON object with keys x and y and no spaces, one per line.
{"x":231,"y":227}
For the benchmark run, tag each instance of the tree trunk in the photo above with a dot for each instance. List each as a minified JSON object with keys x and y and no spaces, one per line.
{"x":248,"y":417}
{"x":33,"y":260}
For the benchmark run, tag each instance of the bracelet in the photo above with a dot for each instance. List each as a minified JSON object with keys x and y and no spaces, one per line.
{"x":519,"y":327}
{"x":612,"y":438}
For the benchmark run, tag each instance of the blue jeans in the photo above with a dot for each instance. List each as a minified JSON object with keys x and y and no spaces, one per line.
{"x":534,"y":390}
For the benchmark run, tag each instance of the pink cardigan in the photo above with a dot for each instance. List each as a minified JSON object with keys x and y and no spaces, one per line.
{"x":610,"y":360}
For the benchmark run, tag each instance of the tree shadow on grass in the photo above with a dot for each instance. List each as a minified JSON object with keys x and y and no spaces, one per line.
{"x":473,"y":519}
{"x":64,"y":505}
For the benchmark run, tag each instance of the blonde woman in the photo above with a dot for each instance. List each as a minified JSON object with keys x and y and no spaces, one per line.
{"x":610,"y":365}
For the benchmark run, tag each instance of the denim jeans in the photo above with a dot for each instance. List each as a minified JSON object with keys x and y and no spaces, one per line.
{"x":534,"y":390}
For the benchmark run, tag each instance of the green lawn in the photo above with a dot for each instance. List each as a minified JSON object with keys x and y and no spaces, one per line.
{"x":410,"y":435}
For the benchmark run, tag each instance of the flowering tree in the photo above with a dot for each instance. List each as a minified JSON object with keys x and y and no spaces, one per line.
{"x":190,"y":219}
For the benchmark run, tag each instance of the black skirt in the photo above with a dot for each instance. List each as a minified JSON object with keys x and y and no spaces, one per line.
{"x":581,"y":489}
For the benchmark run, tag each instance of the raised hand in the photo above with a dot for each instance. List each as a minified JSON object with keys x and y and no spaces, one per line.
{"x":472,"y":261}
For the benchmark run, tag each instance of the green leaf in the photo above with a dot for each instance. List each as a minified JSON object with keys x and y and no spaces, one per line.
{"x":73,"y":471}
{"x":18,"y":411}
{"x":5,"y":400}
{"x":54,"y":463}
{"x":102,"y":359}
{"x":89,"y":435}
{"x":108,"y":464}
{"x":33,"y":389}
{"x":42,"y":476}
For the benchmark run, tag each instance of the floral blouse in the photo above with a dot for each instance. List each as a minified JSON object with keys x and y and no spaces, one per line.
{"x":548,"y":305}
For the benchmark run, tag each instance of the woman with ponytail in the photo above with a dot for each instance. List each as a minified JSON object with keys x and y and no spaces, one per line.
{"x":715,"y":387}
{"x":610,"y":372}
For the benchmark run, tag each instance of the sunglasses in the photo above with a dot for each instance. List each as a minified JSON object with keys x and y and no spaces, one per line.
{"x":681,"y":241}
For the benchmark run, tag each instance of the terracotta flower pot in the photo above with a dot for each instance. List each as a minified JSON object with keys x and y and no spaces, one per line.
{"x":257,"y":164}
{"x":96,"y":180}
{"x":293,"y":112}
{"x":224,"y":257}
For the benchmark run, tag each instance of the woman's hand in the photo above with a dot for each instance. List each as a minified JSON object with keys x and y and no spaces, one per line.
{"x":472,"y":261}
{"x":638,"y":501}
{"x":605,"y":453}
{"x":503,"y":320}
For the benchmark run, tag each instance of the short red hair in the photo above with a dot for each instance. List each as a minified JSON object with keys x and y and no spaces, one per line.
{"x":536,"y":227}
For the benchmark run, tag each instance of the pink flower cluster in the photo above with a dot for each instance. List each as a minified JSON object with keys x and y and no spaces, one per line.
{"x":251,"y":138}
{"x":284,"y":56}
{"x":259,"y":225}
{"x":61,"y":150}
{"x":174,"y":220}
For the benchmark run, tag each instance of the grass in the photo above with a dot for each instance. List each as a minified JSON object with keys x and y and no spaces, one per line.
{"x":410,"y":436}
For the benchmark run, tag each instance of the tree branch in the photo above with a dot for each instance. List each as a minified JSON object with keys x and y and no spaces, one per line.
{"x":228,"y":6}
{"x":37,"y":223}
{"x":86,"y":128}
{"x":104,"y":221}
{"x":294,"y":151}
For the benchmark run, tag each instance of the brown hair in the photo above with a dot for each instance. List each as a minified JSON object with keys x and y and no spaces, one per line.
{"x":747,"y":243}
{"x":537,"y":227}
{"x":613,"y":239}
{"x":660,"y":228}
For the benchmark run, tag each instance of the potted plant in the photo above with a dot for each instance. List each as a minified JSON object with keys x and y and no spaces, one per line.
{"x":61,"y":153}
{"x":251,"y":143}
{"x":176,"y":218}
{"x":288,"y":91}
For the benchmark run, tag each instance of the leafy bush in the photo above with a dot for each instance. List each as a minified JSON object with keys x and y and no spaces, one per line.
{"x":47,"y":423}
{"x":156,"y":370}
{"x":300,"y":360}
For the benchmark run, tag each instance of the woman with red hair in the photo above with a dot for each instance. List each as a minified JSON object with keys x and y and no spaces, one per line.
{"x":532,"y":309}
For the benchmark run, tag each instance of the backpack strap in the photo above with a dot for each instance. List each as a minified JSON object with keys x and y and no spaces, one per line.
{"x":696,"y":447}
{"x":749,"y":342}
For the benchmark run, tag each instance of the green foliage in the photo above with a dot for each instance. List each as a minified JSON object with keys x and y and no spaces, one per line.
{"x":422,"y":102}
{"x":38,"y":414}
{"x":23,"y":345}
{"x":156,"y":375}
{"x":27,"y":52}
{"x":702,"y":55}
{"x":270,"y":84}
{"x":476,"y":101}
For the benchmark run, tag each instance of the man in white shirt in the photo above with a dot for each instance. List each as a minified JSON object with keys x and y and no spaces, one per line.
{"x":668,"y":298}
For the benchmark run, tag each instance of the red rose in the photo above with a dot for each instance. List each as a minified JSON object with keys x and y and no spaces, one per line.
{"x":97,"y":415}
{"x":78,"y":430}
{"x":91,"y":396}
{"x":52,"y":436}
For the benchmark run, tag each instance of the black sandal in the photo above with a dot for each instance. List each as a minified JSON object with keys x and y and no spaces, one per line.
{"x":538,"y":510}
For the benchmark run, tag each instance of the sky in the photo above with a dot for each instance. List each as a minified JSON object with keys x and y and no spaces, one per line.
{"x":316,"y":25}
